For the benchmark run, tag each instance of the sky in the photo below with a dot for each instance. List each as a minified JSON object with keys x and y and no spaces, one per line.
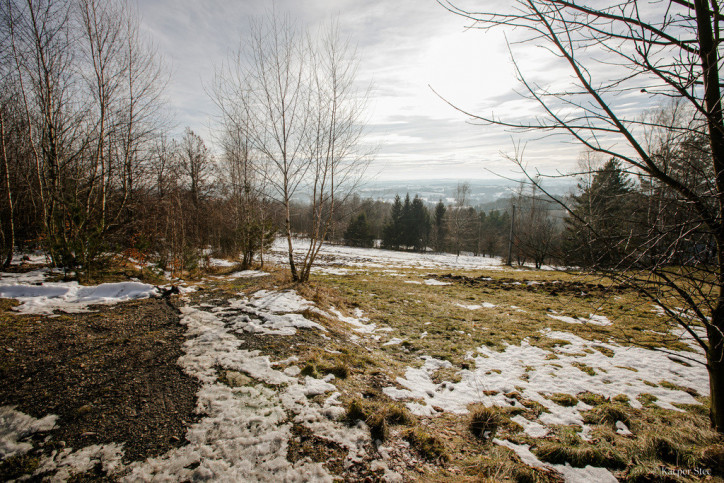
{"x":406,"y":48}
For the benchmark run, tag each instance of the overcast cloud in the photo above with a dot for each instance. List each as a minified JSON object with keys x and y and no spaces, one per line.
{"x":404,"y":47}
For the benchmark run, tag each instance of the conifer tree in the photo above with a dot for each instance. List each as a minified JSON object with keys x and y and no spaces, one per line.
{"x":601,"y":218}
{"x":391,"y":231}
{"x":440,"y":227}
{"x":358,"y":232}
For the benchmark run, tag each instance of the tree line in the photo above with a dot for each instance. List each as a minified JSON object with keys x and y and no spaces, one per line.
{"x":612,"y":220}
{"x":89,"y":169}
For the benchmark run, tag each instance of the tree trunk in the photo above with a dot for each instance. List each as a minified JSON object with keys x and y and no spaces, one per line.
{"x":11,"y":243}
{"x":715,"y":365}
{"x":292,"y":267}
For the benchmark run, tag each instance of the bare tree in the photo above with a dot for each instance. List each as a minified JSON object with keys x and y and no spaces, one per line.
{"x":668,"y":50}
{"x":535,"y":230}
{"x":89,"y":91}
{"x":294,"y":97}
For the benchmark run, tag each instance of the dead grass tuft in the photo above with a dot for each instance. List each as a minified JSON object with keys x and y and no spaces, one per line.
{"x":607,"y":414}
{"x":484,"y":422}
{"x":591,"y":398}
{"x":581,"y":456}
{"x":563,"y":399}
{"x":428,"y":446}
{"x":377,"y":416}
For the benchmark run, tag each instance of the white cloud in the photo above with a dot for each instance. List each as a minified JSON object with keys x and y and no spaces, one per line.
{"x":404,"y":47}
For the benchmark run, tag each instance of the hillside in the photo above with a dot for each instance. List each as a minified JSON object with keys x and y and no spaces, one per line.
{"x":390,"y":366}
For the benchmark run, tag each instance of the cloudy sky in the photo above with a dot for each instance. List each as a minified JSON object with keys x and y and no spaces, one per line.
{"x":405,"y":48}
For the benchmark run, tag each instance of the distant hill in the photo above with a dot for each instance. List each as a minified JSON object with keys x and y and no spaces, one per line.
{"x":487,"y":194}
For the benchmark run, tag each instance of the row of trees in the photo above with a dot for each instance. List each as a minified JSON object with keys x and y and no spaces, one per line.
{"x":611,"y":221}
{"x":412,"y":225}
{"x":89,"y":170}
{"x":79,"y":113}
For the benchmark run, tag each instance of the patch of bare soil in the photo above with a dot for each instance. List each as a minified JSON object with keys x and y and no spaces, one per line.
{"x":110,"y":376}
{"x":577,"y":289}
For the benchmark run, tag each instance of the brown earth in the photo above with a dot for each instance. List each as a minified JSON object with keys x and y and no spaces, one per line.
{"x":110,"y":376}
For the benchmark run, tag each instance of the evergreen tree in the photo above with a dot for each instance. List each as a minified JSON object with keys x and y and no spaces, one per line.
{"x":440,"y":227}
{"x":358,"y":232}
{"x":407,"y":224}
{"x":391,"y":233}
{"x":600,"y":225}
{"x":419,"y":229}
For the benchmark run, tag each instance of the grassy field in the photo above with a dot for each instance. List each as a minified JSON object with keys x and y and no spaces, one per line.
{"x":501,"y":308}
{"x":465,"y":374}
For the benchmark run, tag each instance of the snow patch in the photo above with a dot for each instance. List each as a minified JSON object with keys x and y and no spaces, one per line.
{"x":72,"y":297}
{"x":484,"y":305}
{"x":569,"y":473}
{"x":526,"y":368}
{"x":16,"y":426}
{"x":592,"y":319}
{"x":432,"y":281}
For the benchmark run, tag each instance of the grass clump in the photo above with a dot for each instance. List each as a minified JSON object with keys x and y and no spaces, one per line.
{"x":591,"y":398}
{"x":647,"y":400}
{"x":585,"y":368}
{"x":669,"y":451}
{"x":604,"y":350}
{"x":563,"y":399}
{"x":502,"y":464}
{"x":378,"y":417}
{"x":676,"y":387}
{"x":355,"y":411}
{"x":428,"y":446}
{"x":484,"y":422}
{"x":580,"y":456}
{"x":446,"y":374}
{"x":607,"y":414}
{"x":310,"y":369}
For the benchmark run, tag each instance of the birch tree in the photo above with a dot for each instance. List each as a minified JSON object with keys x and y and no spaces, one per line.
{"x":294,"y":94}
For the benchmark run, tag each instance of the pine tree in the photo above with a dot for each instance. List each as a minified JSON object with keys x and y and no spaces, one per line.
{"x":391,"y":232}
{"x":358,"y":233}
{"x":599,"y":227}
{"x":440,"y":227}
{"x":419,"y":225}
{"x":407,"y":224}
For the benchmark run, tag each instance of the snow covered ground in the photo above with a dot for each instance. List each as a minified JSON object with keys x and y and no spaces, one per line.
{"x":532,"y":372}
{"x":70,"y":296}
{"x":243,"y":432}
{"x":374,"y":258}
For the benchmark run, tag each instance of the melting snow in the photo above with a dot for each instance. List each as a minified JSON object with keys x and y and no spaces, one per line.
{"x":570,"y":474}
{"x":71,"y":297}
{"x":244,"y":433}
{"x":527,"y":367}
{"x":245,"y":274}
{"x":377,"y":258}
{"x":15,"y":426}
{"x":484,"y":305}
{"x":432,"y":281}
{"x":592,"y":319}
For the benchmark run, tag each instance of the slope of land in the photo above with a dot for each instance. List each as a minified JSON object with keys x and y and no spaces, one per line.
{"x":387,"y":366}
